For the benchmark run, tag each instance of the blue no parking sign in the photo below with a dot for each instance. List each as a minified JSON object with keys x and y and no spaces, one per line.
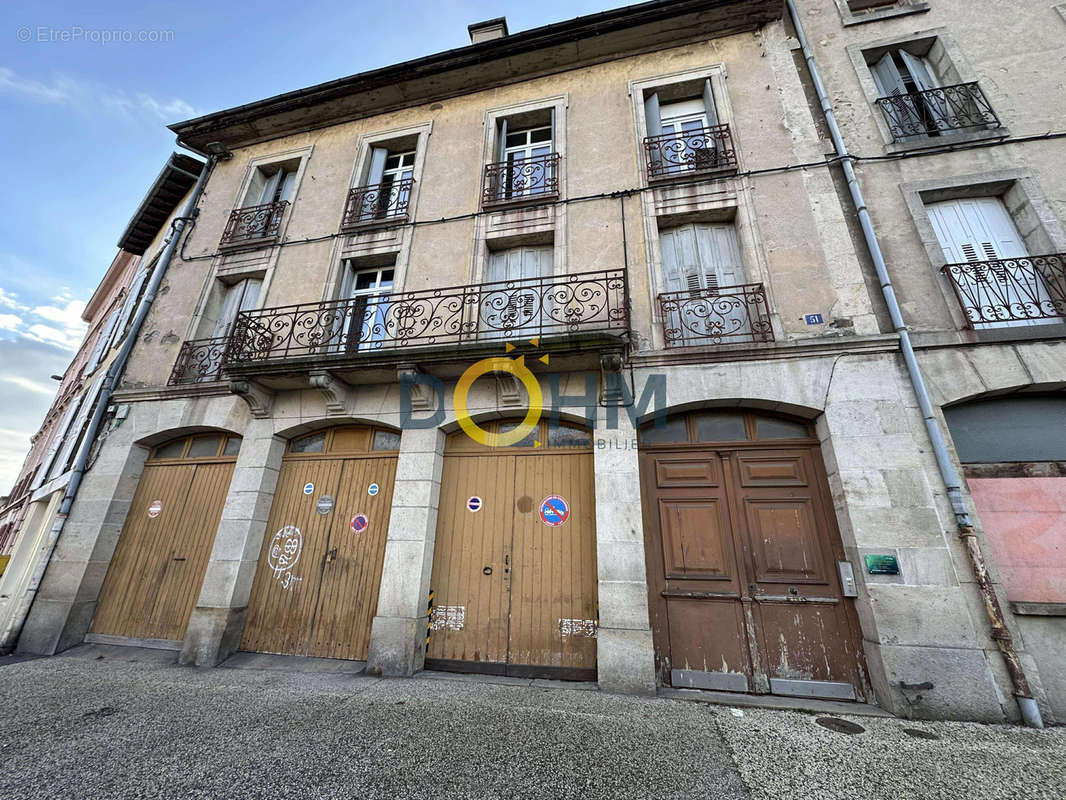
{"x":554,"y":511}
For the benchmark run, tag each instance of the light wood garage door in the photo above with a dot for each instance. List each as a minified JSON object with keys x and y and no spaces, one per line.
{"x":515,"y":589}
{"x":154,"y":577}
{"x":316,"y":584}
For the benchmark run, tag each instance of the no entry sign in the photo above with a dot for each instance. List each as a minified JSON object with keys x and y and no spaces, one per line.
{"x":473,"y":504}
{"x":554,"y":510}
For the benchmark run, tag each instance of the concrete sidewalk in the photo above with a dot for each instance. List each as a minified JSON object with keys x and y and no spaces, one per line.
{"x":108,"y":722}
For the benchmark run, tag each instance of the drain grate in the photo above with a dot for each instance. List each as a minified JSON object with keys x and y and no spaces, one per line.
{"x":840,"y":725}
{"x":918,"y":733}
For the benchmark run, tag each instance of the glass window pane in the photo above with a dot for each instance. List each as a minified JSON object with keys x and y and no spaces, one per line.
{"x":170,"y":450}
{"x":392,"y":162}
{"x":719,"y":426}
{"x":233,"y":446}
{"x":774,"y":428}
{"x":315,"y":443}
{"x":673,"y":431}
{"x":365,"y":280}
{"x":517,"y":139}
{"x":542,"y":135}
{"x":386,"y":440}
{"x":204,"y":447}
{"x":559,"y":436}
{"x":506,"y":427}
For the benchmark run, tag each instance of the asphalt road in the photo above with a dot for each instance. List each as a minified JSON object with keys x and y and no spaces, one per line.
{"x":114,"y":723}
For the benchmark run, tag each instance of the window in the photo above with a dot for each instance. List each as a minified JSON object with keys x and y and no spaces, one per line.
{"x":364,"y":324}
{"x":992,"y":273}
{"x":200,"y":446}
{"x":385,"y":192}
{"x":240,"y":296}
{"x":272,"y":183}
{"x":921,"y":93}
{"x":515,"y":303}
{"x":103,"y":341}
{"x":684,"y":135}
{"x":526,"y":162}
{"x":258,"y":218}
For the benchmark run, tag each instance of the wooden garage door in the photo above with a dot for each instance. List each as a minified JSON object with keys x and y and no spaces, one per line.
{"x":742,"y":554}
{"x":316,"y":584}
{"x":514,"y":595}
{"x":154,"y":577}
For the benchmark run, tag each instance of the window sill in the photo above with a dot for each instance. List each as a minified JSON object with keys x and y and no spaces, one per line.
{"x":693,"y":175}
{"x":1038,"y":609}
{"x":517,"y":202}
{"x":936,"y":142}
{"x":849,"y":18}
{"x":373,"y":224}
{"x":247,"y":244}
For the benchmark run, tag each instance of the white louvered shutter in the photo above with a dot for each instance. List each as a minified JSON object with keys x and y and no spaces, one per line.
{"x":134,"y":294}
{"x":75,"y":431}
{"x":57,"y":441}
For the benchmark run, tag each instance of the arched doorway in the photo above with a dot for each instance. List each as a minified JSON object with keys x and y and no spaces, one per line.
{"x":316,"y":585}
{"x":742,"y":550}
{"x":154,"y":577}
{"x":515,"y":590}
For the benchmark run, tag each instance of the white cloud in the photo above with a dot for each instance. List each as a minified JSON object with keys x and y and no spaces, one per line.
{"x":58,"y":92}
{"x":89,"y":98}
{"x":30,"y":385}
{"x":10,"y":322}
{"x":58,"y":323}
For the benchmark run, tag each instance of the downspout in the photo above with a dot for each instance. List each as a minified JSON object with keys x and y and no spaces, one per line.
{"x":1027,"y":705}
{"x":14,"y":628}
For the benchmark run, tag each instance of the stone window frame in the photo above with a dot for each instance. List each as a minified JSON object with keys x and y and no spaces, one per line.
{"x":1040,"y":227}
{"x":900,"y":8}
{"x":717,"y":74}
{"x":375,"y":244}
{"x":541,"y":224}
{"x":257,"y":162}
{"x":921,"y":42}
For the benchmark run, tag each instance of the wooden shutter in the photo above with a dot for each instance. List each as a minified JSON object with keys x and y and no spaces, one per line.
{"x":975,"y":229}
{"x":288,"y":181}
{"x":920,"y":71}
{"x":709,"y":105}
{"x":719,"y":255}
{"x":270,"y":188}
{"x":131,"y":302}
{"x":501,"y":145}
{"x":886,"y":76}
{"x":57,"y":440}
{"x":376,"y":165}
{"x":652,"y":115}
{"x":73,"y":434}
{"x":103,"y":343}
{"x":254,"y":193}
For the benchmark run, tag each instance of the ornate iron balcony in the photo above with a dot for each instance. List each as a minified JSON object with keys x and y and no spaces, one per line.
{"x":935,"y":111}
{"x":557,"y":305}
{"x":673,"y":155}
{"x":378,"y":203}
{"x":254,"y":224}
{"x":521,"y":179}
{"x":1008,"y":290}
{"x":724,"y":315}
{"x":199,"y":361}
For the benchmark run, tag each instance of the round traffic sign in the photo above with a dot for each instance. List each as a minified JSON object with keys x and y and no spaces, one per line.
{"x":309,"y":488}
{"x":373,"y":489}
{"x":360,"y":522}
{"x":473,"y":504}
{"x":324,"y":504}
{"x":155,"y":508}
{"x":554,"y":510}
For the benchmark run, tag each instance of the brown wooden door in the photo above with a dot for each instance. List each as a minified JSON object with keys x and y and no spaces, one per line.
{"x":316,"y":585}
{"x":512,"y":594}
{"x":741,"y":553}
{"x":155,"y":574}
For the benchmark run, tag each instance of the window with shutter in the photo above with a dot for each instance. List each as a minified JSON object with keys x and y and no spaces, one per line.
{"x":515,"y":304}
{"x":74,"y":434}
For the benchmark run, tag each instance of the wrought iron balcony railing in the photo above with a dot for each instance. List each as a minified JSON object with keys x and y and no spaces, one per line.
{"x":564,"y":304}
{"x":254,"y":224}
{"x":199,"y":361}
{"x":724,"y":315}
{"x":936,"y":111}
{"x":519,"y":179}
{"x":673,"y":155}
{"x":1011,"y":290}
{"x":378,"y":203}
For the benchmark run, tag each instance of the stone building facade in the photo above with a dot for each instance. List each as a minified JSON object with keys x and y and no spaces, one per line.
{"x":731,"y":487}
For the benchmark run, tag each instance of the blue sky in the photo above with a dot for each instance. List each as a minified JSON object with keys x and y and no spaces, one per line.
{"x":82,"y":133}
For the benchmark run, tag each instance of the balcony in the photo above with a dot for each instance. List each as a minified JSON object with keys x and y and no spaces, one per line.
{"x":689,"y":153}
{"x":378,"y":204}
{"x":935,"y":112}
{"x":1011,"y":291}
{"x":199,"y":361}
{"x":726,"y":315}
{"x":254,"y":225}
{"x":520,"y":180}
{"x":569,"y":315}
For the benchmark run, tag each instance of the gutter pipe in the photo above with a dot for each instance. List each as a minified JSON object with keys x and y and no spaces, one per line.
{"x":11,"y":633}
{"x":1026,"y":704}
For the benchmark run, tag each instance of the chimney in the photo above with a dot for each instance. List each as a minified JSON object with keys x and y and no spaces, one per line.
{"x":489,"y":29}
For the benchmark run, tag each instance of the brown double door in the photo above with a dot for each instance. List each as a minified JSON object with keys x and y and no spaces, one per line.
{"x":155,"y":574}
{"x":316,"y":585}
{"x":513,"y":595}
{"x":742,"y":556}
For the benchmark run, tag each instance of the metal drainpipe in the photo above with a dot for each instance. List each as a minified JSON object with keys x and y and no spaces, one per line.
{"x":10,"y":635}
{"x":1000,"y":633}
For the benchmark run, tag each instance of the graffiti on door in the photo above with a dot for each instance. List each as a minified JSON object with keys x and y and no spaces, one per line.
{"x":284,"y":552}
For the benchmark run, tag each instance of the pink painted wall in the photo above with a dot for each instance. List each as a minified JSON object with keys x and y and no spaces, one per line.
{"x":1025,"y":522}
